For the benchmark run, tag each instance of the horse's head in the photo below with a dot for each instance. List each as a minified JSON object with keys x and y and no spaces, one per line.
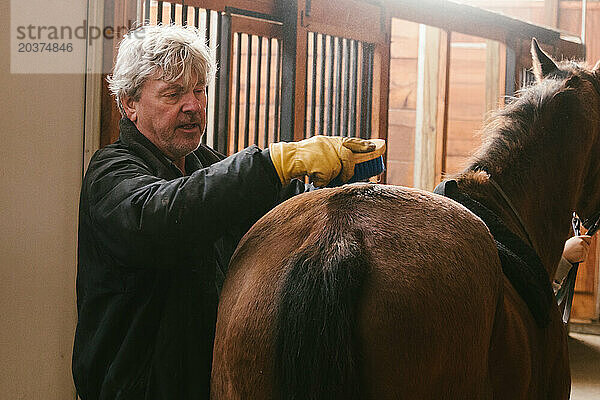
{"x":581,"y":88}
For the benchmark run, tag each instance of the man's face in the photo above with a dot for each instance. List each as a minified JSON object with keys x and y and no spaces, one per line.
{"x":170,"y":116}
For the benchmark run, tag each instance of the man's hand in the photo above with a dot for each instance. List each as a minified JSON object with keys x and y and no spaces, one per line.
{"x":323,"y":157}
{"x":577,"y":248}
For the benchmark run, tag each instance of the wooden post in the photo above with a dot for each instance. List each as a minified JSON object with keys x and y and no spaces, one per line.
{"x":426,"y":115}
{"x":381,"y":80}
{"x":551,"y":10}
{"x":443,"y":104}
{"x":293,"y":79}
{"x":492,"y":75}
{"x":300,"y":76}
{"x":289,"y":11}
{"x":224,"y":52}
{"x":93,"y":85}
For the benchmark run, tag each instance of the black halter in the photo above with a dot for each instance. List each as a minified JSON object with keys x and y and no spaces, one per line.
{"x":592,"y":224}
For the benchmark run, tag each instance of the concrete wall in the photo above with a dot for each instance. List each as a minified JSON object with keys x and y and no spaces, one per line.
{"x":41,"y":135}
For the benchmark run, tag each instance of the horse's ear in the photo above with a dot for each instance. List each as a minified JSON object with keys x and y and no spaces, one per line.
{"x":543,"y":65}
{"x":596,"y":69}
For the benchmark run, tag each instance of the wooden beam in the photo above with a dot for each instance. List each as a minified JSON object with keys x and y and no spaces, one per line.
{"x":354,"y":19}
{"x":492,"y":75}
{"x":93,"y":86}
{"x":443,"y":103}
{"x":266,"y":7}
{"x":474,"y":21}
{"x":256,"y":27}
{"x":427,"y":108}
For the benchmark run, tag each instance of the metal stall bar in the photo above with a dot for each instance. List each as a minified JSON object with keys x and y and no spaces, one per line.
{"x":147,"y":11}
{"x":209,"y":40}
{"x":330,"y":92}
{"x":267,"y":94}
{"x":184,"y":15}
{"x":306,"y":73}
{"x":346,"y":88}
{"x":172,"y":16}
{"x":197,"y":17}
{"x":278,"y":65}
{"x":159,"y":12}
{"x":224,"y":38}
{"x":338,"y":87}
{"x":354,"y":89}
{"x":236,"y":110}
{"x":248,"y":75}
{"x":366,"y":91}
{"x":208,"y":18}
{"x":322,"y":85}
{"x":313,"y":105}
{"x":258,"y":83}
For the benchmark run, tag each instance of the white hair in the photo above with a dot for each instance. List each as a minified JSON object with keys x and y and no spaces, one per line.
{"x":166,"y":52}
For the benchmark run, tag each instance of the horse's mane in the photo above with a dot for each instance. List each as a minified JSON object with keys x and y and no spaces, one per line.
{"x":514,"y":133}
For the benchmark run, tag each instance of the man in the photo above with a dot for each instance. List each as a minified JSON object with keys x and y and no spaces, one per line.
{"x":153,"y":206}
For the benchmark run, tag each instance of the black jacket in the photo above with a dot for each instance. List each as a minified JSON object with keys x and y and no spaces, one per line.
{"x":146,"y":276}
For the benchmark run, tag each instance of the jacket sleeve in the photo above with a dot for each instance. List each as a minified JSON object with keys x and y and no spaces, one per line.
{"x":146,"y":220}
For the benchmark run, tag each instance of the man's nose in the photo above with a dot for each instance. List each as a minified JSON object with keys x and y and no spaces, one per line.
{"x":192,"y":104}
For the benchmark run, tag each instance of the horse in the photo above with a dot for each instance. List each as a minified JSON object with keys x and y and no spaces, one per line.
{"x":372,"y":291}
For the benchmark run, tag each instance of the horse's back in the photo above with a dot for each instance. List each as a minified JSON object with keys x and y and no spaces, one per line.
{"x":420,"y":282}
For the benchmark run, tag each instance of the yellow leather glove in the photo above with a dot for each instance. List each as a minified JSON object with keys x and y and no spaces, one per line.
{"x":322,"y":157}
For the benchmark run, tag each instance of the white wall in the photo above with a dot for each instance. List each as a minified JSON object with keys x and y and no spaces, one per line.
{"x":41,"y":135}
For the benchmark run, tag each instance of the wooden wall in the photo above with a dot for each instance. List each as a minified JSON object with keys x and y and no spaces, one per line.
{"x":403,"y":98}
{"x":467,"y":106}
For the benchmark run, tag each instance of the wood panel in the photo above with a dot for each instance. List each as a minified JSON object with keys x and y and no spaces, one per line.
{"x":402,"y":102}
{"x":467,"y":99}
{"x":403,"y":85}
{"x":354,"y":19}
{"x":401,"y":136}
{"x":267,"y":7}
{"x":478,"y":22}
{"x":381,"y":82}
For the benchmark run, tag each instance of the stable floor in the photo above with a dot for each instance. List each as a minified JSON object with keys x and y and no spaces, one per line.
{"x":584,"y":353}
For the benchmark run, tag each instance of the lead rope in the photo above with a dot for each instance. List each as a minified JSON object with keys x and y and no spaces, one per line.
{"x":514,"y":210}
{"x":567,"y":290}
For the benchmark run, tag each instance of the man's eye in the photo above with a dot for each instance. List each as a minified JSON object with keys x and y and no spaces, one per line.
{"x":199,"y":91}
{"x":171,"y":95}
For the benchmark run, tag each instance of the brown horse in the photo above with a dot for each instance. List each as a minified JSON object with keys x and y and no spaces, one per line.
{"x":383,"y":292}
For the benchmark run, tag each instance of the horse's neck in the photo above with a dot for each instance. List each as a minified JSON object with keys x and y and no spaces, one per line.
{"x":543,"y":202}
{"x":542,"y":174}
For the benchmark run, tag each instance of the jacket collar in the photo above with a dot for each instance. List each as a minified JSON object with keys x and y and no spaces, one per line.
{"x":141,"y":145}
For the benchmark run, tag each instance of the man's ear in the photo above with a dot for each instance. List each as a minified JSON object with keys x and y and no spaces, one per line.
{"x":129,"y":105}
{"x":543,"y":65}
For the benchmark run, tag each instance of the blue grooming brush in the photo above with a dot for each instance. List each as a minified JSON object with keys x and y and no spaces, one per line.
{"x":362,"y":171}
